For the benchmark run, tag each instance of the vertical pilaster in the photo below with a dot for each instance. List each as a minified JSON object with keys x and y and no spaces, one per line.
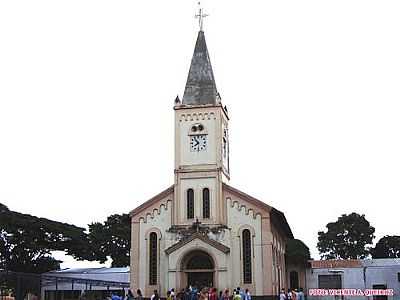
{"x":266,"y":241}
{"x":135,"y":255}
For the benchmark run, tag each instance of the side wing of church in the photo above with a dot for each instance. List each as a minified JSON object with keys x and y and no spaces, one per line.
{"x":202,"y":232}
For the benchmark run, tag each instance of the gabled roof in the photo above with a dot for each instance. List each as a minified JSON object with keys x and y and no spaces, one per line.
{"x":277,"y":217}
{"x":152,"y":201}
{"x":201,"y":237}
{"x":200,"y":86}
{"x":247,"y":197}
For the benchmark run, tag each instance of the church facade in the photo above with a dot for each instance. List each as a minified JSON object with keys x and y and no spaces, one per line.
{"x":201,"y":231}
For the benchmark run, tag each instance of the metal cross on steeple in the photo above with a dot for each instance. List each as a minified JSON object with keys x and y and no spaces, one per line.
{"x":201,"y":15}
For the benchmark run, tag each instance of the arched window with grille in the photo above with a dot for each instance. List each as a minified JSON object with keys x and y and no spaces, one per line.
{"x":153,"y":259}
{"x":190,"y":203}
{"x":206,"y":203}
{"x":246,"y":250}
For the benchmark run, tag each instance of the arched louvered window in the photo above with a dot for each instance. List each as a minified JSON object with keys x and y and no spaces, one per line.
{"x":206,"y":203}
{"x":153,"y":259}
{"x":246,"y":247}
{"x":190,"y":203}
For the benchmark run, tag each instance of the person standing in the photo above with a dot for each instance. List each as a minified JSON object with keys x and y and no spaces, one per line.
{"x":289,"y":294}
{"x":300,"y":294}
{"x":129,"y":296}
{"x":155,"y":296}
{"x":213,"y":294}
{"x":241,"y":293}
{"x":186,"y":295}
{"x":115,"y":297}
{"x":203,"y":294}
{"x":247,"y":294}
{"x":139,"y":295}
{"x":193,"y":293}
{"x":226,"y":295}
{"x":180,"y":295}
{"x":282,"y":295}
{"x":237,"y":296}
{"x":173,"y":294}
{"x":294,"y":294}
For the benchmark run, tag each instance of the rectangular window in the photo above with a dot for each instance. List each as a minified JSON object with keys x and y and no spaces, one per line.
{"x":398,"y":277}
{"x":333,"y":281}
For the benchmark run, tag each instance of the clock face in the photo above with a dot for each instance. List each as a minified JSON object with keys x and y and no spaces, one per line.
{"x":198,"y":143}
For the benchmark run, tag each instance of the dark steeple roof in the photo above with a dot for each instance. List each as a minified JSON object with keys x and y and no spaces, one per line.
{"x":200,"y":86}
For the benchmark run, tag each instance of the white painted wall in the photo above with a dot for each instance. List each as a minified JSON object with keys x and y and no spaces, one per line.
{"x":377,"y":271}
{"x":198,"y":184}
{"x":185,"y":120}
{"x":161,"y":220}
{"x":238,"y":217}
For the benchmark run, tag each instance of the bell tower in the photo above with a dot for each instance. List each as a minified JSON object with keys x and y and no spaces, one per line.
{"x":201,"y":145}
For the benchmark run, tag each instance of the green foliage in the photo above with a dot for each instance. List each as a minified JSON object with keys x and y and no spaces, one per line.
{"x":3,"y":208}
{"x":297,"y":252}
{"x":111,"y":239}
{"x":347,"y":238}
{"x":26,"y":241}
{"x":387,"y":247}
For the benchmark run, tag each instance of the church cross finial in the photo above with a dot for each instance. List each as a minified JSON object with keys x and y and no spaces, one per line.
{"x":201,"y":15}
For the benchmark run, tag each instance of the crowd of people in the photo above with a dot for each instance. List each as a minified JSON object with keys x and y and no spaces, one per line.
{"x":291,"y":294}
{"x":193,"y":293}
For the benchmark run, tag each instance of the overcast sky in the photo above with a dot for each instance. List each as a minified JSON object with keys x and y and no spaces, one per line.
{"x":312,"y":88}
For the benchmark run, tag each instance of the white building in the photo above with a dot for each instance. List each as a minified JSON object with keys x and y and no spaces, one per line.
{"x":201,"y":231}
{"x":354,"y":274}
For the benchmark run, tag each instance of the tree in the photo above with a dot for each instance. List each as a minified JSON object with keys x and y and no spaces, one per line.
{"x":347,"y":238}
{"x":26,"y":242}
{"x":3,"y":208}
{"x":297,"y":253}
{"x":111,"y":239}
{"x":387,"y":247}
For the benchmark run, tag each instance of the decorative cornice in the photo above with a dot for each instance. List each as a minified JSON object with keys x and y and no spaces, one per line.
{"x":152,"y":201}
{"x":197,"y":116}
{"x":257,"y":203}
{"x":247,"y":210}
{"x":276,"y":216}
{"x":146,"y":215}
{"x":194,"y":107}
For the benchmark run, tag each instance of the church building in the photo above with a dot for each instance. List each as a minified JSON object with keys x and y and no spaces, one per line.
{"x":201,"y":231}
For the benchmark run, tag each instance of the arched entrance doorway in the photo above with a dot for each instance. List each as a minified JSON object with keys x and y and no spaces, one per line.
{"x":198,"y":268}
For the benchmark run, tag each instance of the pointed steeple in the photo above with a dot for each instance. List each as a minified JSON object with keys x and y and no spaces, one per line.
{"x":200,"y":86}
